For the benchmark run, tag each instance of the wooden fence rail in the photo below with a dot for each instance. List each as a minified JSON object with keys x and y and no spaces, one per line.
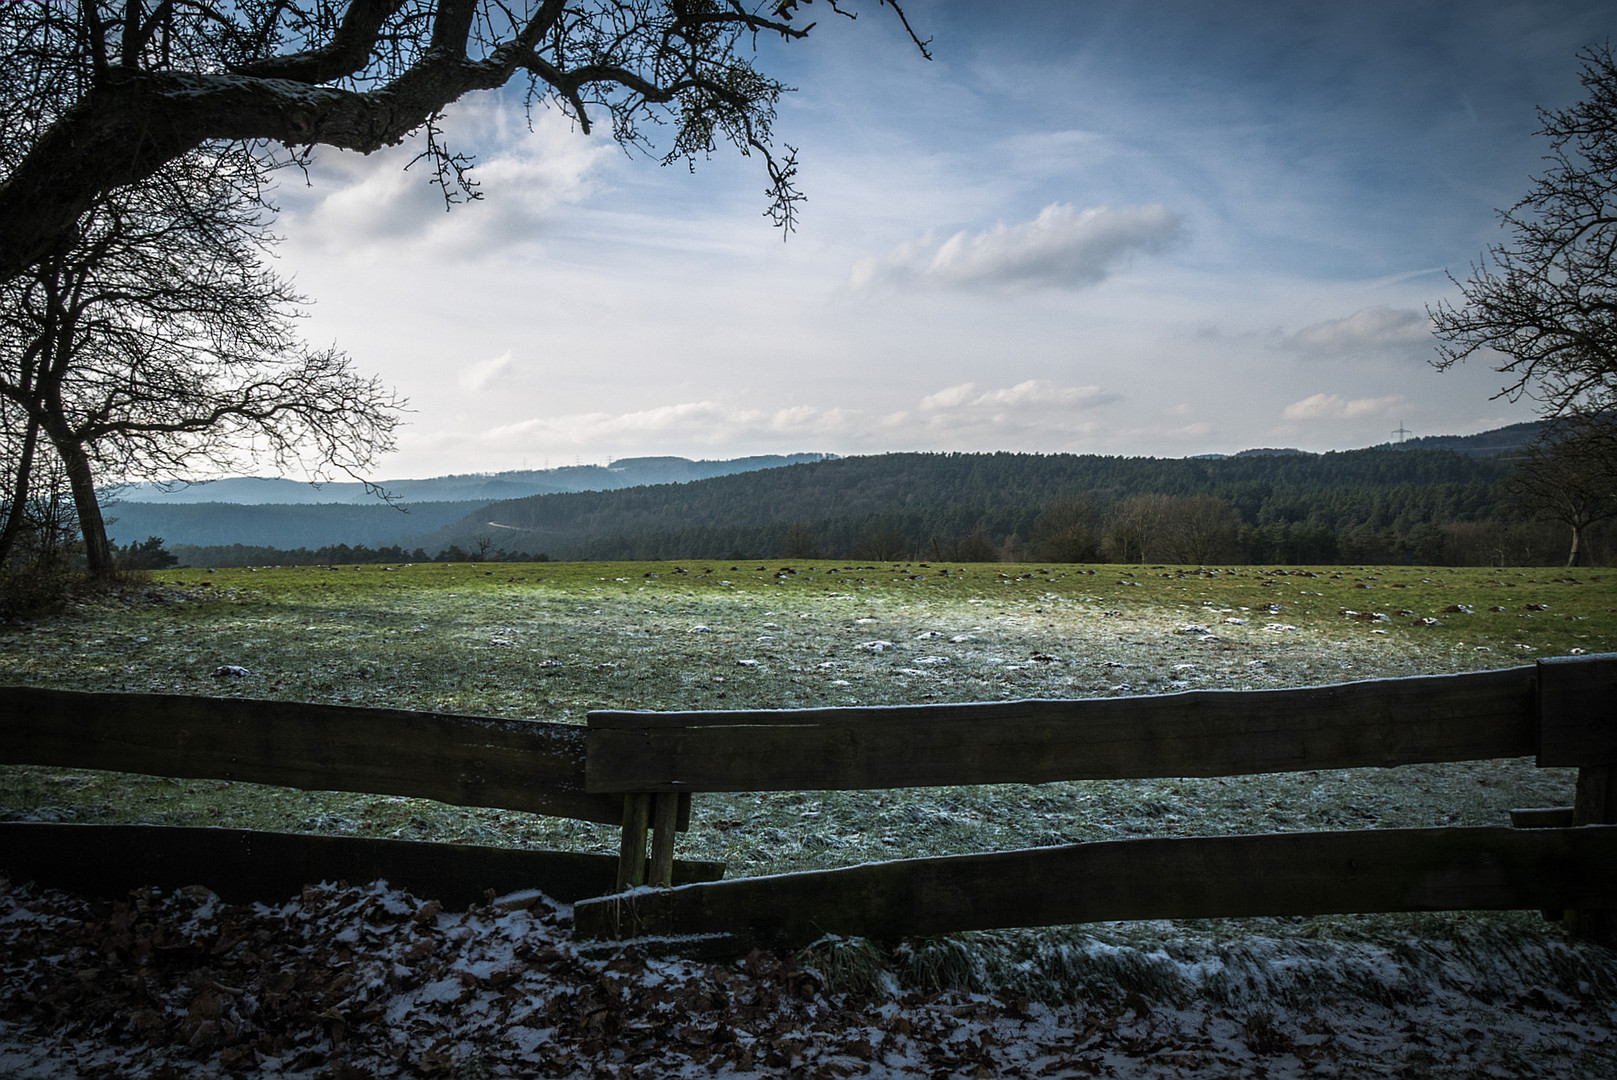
{"x":461,"y":760}
{"x":1384,"y":722}
{"x":1559,"y":710}
{"x":1160,"y":878}
{"x":639,"y":770}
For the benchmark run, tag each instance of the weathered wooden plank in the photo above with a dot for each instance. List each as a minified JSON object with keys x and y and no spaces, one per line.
{"x":632,"y":845}
{"x":1203,"y":733}
{"x":665,"y":811}
{"x":1542,"y":817}
{"x":243,"y":865}
{"x":1202,"y":877}
{"x":1577,"y":704}
{"x":465,"y":760}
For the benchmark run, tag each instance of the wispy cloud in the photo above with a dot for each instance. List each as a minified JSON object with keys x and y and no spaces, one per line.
{"x":1062,"y":248}
{"x":1334,"y":407}
{"x":984,"y":417}
{"x":481,"y":375}
{"x":1373,"y":328}
{"x":1034,"y":395}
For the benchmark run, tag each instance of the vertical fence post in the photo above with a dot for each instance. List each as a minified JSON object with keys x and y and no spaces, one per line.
{"x":665,"y":818}
{"x":632,"y":851}
{"x":1595,"y":804}
{"x":1578,"y":727}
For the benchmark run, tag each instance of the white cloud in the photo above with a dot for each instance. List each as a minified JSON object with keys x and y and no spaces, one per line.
{"x":987,"y":418}
{"x":480,"y":375}
{"x":1372,"y":328}
{"x":1333,"y":406}
{"x":1034,"y":394}
{"x":1061,"y":248}
{"x":356,"y":202}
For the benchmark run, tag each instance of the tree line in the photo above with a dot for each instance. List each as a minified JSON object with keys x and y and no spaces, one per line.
{"x":330,"y":555}
{"x":1383,"y":505}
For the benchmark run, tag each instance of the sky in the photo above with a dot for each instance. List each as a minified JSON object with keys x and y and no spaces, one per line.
{"x":1163,"y":228}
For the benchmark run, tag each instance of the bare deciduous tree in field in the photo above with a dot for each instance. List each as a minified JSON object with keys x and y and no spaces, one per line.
{"x":1200,"y":529}
{"x":1546,"y":301}
{"x":1066,"y":531}
{"x":158,"y":344}
{"x":1570,"y":477}
{"x":102,"y":94}
{"x":1135,"y":527}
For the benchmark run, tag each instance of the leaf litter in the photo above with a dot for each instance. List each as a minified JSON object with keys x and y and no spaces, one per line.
{"x":346,"y":981}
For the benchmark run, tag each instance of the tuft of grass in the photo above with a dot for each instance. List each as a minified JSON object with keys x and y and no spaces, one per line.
{"x":947,"y":962}
{"x":847,"y":965}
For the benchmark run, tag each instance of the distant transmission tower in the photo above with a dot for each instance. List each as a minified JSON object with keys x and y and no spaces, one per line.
{"x":1401,"y":431}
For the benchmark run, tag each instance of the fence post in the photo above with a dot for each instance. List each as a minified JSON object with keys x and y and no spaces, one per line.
{"x":1578,"y":727}
{"x":632,"y":850}
{"x":1595,"y":804}
{"x":665,"y":816}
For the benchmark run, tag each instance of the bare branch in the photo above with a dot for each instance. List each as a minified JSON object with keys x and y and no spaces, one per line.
{"x":76,"y":124}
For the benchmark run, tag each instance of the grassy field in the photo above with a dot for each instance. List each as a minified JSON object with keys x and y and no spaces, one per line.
{"x":551,"y":641}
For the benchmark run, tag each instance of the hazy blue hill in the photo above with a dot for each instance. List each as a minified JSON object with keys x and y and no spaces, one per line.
{"x":281,"y":525}
{"x":466,"y":487}
{"x":268,"y":512}
{"x":1302,"y":504}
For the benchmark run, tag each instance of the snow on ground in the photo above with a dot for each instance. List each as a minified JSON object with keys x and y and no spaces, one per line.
{"x":366,"y":981}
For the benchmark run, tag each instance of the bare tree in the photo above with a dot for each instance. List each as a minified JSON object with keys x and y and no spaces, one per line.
{"x":1135,"y":526}
{"x":1545,"y":300}
{"x":799,"y":542}
{"x":1566,"y":480}
{"x":881,"y":543}
{"x":102,"y":94}
{"x":1199,"y":529}
{"x":973,"y":547}
{"x":158,"y":344}
{"x":1065,"y":531}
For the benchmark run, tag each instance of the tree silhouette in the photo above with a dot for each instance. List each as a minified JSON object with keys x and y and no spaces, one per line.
{"x":1545,"y":300}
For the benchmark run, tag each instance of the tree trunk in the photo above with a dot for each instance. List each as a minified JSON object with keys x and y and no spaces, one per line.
{"x":19,"y":491}
{"x":1575,"y":556}
{"x":97,"y":549}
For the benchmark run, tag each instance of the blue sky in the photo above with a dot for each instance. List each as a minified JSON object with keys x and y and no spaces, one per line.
{"x":1147,"y":228}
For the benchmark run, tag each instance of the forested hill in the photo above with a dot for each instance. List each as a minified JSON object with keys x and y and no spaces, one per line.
{"x":1509,"y":441}
{"x":910,"y":502}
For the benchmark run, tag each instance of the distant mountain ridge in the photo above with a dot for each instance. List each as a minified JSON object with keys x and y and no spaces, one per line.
{"x":463,"y":487}
{"x":682,"y":508}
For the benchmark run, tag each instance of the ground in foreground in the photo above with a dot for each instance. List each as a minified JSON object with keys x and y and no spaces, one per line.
{"x":347,"y":982}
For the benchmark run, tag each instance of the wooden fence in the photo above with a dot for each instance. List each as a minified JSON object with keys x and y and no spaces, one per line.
{"x":1560,"y":711}
{"x":640,"y":770}
{"x":461,"y":760}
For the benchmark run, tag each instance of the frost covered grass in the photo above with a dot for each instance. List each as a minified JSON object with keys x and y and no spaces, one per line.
{"x":551,"y":641}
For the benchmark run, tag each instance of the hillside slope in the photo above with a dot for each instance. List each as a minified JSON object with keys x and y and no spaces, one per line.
{"x":925,"y":496}
{"x":465,"y":487}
